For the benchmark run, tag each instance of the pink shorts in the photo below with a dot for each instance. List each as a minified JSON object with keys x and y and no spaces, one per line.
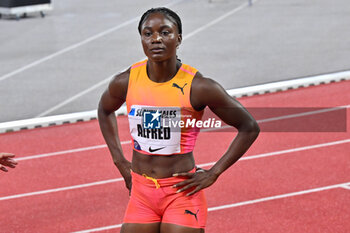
{"x":149,"y":204}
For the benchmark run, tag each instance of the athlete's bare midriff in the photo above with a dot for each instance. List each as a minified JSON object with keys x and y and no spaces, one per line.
{"x":160,"y":166}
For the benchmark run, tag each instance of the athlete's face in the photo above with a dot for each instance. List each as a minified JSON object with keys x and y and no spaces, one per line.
{"x":159,"y":37}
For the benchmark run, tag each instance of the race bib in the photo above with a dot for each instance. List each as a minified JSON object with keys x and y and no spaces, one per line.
{"x":155,"y":129}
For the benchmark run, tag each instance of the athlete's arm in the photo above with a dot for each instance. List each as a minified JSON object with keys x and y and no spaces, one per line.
{"x":111,"y":100}
{"x":206,"y":92}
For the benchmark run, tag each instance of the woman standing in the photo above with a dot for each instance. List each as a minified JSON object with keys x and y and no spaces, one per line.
{"x":165,"y":186}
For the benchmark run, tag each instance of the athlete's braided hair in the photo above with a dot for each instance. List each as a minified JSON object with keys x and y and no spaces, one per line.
{"x":171,"y":15}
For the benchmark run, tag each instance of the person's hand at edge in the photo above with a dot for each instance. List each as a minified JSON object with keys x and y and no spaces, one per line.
{"x":7,"y":161}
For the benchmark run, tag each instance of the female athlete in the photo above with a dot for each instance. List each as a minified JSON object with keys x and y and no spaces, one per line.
{"x":166,"y":189}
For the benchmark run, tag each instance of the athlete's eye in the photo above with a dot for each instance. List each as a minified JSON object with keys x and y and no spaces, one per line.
{"x":147,"y":34}
{"x":165,"y":33}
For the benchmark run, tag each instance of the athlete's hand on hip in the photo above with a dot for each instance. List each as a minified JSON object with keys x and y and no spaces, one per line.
{"x":199,"y":180}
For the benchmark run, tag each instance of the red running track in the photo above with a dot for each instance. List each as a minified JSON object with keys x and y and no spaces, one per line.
{"x":69,"y":156}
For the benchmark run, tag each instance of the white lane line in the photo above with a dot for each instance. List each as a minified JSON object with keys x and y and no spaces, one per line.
{"x":100,"y":229}
{"x":286,"y":151}
{"x":217,"y":20}
{"x":74,"y":46}
{"x":61,"y":189}
{"x":303,"y":114}
{"x":67,"y":49}
{"x":278,"y":197}
{"x":271,"y":198}
{"x":67,"y":151}
{"x":346,"y":187}
{"x":200,"y":165}
{"x":101,"y":83}
{"x":71,"y":99}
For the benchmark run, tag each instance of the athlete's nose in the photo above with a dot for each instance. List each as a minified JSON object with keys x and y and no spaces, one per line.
{"x":156,"y":38}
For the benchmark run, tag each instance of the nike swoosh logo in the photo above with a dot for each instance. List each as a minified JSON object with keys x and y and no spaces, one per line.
{"x":154,"y":150}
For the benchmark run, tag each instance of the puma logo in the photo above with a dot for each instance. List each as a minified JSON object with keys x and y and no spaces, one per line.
{"x":181,"y":88}
{"x":191,"y":213}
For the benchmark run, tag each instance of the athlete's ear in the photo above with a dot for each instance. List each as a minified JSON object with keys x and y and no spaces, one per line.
{"x":179,"y":40}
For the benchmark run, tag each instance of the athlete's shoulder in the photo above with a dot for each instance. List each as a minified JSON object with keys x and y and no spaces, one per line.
{"x":204,"y":90}
{"x":204,"y":84}
{"x":119,"y":85}
{"x":121,"y":78}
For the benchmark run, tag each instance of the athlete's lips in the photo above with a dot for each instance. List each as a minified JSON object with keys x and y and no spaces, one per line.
{"x":157,"y":49}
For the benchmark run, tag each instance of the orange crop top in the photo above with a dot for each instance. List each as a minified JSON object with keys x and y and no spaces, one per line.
{"x":161,"y":117}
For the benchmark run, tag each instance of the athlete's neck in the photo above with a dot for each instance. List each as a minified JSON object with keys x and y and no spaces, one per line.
{"x":162,"y":71}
